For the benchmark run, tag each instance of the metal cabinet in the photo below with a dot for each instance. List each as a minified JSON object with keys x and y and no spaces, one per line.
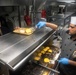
{"x":17,"y":52}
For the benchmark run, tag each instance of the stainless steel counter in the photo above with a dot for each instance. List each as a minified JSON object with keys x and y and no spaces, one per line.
{"x":15,"y":47}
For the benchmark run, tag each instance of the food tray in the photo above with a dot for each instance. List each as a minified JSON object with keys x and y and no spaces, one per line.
{"x":34,"y":70}
{"x":24,"y":31}
{"x":42,"y":56}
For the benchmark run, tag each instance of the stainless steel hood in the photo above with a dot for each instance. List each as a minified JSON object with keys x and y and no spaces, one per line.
{"x":36,"y":3}
{"x":7,"y":3}
{"x":67,"y":1}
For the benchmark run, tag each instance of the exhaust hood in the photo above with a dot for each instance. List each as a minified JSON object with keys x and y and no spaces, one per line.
{"x":67,"y":1}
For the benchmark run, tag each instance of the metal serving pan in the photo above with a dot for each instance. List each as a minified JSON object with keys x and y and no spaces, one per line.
{"x":42,"y":53}
{"x":24,"y":31}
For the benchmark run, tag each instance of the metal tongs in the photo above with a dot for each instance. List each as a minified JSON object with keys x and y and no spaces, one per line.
{"x":55,"y":71}
{"x":34,"y":28}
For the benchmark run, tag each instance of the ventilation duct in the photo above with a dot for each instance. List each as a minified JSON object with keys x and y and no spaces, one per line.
{"x":67,"y":1}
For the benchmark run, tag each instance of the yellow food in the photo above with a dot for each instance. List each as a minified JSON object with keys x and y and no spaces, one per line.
{"x":22,"y":31}
{"x":37,"y":58}
{"x":45,"y":73}
{"x":39,"y":54}
{"x":46,"y":60}
{"x":28,"y":30}
{"x":43,"y":52}
{"x":50,"y":50}
{"x":47,"y":47}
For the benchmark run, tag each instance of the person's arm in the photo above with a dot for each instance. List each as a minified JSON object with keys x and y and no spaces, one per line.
{"x":66,"y":61}
{"x":51,"y":25}
{"x":48,"y":24}
{"x":72,"y":62}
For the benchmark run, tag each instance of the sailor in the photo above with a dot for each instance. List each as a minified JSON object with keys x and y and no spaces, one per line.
{"x":67,"y":61}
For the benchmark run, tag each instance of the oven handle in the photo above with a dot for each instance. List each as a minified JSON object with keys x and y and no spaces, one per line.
{"x":24,"y":59}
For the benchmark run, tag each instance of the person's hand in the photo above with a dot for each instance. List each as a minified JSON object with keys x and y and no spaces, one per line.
{"x":40,"y":24}
{"x":64,"y":61}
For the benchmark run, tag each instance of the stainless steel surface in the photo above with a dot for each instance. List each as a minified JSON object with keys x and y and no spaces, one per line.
{"x":23,"y":2}
{"x":14,"y":48}
{"x":67,"y":1}
{"x":55,"y":71}
{"x":37,"y":3}
{"x":7,"y":2}
{"x":16,"y":66}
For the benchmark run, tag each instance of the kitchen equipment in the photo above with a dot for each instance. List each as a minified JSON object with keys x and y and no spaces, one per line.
{"x":25,"y":31}
{"x":17,"y":50}
{"x":62,"y":9}
{"x":47,"y":68}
